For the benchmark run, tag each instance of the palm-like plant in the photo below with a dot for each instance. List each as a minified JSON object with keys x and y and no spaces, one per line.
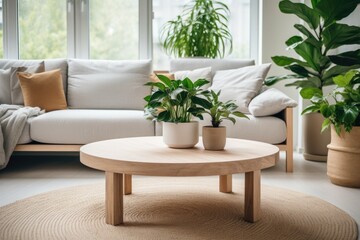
{"x":200,"y":31}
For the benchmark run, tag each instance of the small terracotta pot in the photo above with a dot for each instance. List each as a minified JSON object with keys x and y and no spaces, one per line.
{"x":214,"y":138}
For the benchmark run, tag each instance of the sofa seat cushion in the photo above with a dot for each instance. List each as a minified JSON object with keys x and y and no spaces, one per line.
{"x":75,"y":126}
{"x":25,"y":135}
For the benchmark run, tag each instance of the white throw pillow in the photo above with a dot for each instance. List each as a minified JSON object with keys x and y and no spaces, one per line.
{"x":193,"y":75}
{"x":5,"y":90}
{"x":270,"y":102}
{"x":240,"y":84}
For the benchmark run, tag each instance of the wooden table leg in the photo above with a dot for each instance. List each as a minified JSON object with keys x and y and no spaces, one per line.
{"x":225,"y":183}
{"x":114,"y":198}
{"x":127,"y":184}
{"x":252,"y":196}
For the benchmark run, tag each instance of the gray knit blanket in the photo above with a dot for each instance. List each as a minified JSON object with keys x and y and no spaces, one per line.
{"x":12,"y":121}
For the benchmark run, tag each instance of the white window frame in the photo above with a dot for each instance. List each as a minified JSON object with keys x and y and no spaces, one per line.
{"x":78,"y":43}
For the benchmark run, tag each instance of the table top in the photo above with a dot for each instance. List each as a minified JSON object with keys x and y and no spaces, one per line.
{"x":150,"y":156}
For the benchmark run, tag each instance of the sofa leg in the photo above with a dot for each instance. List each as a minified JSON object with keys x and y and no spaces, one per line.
{"x":289,"y":160}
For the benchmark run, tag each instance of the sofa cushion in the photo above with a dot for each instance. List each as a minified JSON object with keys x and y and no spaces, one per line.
{"x":5,"y":90}
{"x":16,"y":93}
{"x":50,"y":64}
{"x":182,"y":64}
{"x":80,"y":126}
{"x":270,"y":102}
{"x":44,"y":90}
{"x":241,"y":84}
{"x":100,"y":84}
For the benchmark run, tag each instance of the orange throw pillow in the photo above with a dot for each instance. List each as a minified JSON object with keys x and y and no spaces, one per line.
{"x":44,"y":90}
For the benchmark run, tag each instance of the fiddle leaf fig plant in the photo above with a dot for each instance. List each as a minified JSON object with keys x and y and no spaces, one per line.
{"x":219,"y":110}
{"x":201,"y":30}
{"x":345,"y":111}
{"x":175,"y":100}
{"x":320,"y":33}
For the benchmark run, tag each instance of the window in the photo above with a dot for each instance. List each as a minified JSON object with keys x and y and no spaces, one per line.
{"x":1,"y":30}
{"x":239,"y":24}
{"x":42,"y":29}
{"x":114,"y":29}
{"x":106,"y":29}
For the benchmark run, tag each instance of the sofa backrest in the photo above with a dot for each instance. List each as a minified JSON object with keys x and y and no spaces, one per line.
{"x":182,"y":64}
{"x":107,"y":84}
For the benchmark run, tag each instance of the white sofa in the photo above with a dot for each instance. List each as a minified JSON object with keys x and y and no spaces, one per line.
{"x":105,"y":101}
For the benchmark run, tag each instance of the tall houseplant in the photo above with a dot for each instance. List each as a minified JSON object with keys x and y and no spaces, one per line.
{"x":321,"y":33}
{"x":214,"y":136}
{"x":175,"y":102}
{"x":201,"y":30}
{"x":343,"y":114}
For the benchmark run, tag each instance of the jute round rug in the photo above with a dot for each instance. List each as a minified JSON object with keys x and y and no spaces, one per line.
{"x":174,"y":208}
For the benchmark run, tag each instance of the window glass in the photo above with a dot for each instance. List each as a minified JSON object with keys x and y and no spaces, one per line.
{"x":1,"y":30}
{"x":114,"y":29}
{"x":239,"y":24}
{"x":42,"y":29}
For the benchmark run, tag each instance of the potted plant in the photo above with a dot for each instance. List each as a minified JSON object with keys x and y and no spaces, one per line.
{"x":175,"y":102}
{"x":343,"y":114}
{"x":201,"y":30}
{"x":316,"y":66}
{"x":214,"y":137}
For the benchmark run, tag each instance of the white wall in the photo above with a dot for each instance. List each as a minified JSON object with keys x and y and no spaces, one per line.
{"x":275,"y":29}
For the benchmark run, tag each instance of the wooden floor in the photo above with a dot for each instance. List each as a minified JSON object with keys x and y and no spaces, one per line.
{"x":27,"y":176}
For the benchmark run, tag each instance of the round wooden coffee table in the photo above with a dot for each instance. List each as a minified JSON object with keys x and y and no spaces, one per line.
{"x":121,"y":158}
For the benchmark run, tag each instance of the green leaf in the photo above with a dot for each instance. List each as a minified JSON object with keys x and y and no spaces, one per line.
{"x":285,"y":61}
{"x":233,"y":120}
{"x":202,"y":102}
{"x":325,"y":125}
{"x":338,"y":34}
{"x":310,"y":16}
{"x":350,"y":115}
{"x":147,"y":98}
{"x":164,"y":116}
{"x":310,"y":109}
{"x":325,"y":110}
{"x":157,"y":95}
{"x":188,"y":84}
{"x":310,"y":37}
{"x":240,"y":114}
{"x":300,"y":70}
{"x":346,"y":58}
{"x":200,"y":83}
{"x":334,"y":10}
{"x":293,"y":41}
{"x":269,"y":81}
{"x":310,"y":54}
{"x":314,"y":3}
{"x":344,"y":80}
{"x":308,"y":93}
{"x":336,"y":70}
{"x":165,"y":80}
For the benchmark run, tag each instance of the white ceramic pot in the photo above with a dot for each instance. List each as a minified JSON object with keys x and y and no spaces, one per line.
{"x":181,"y":135}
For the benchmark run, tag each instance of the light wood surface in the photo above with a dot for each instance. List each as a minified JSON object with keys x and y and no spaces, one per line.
{"x":225,"y":183}
{"x":252,"y":196}
{"x":47,"y":148}
{"x":114,"y":198}
{"x":150,"y":156}
{"x":120,"y":158}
